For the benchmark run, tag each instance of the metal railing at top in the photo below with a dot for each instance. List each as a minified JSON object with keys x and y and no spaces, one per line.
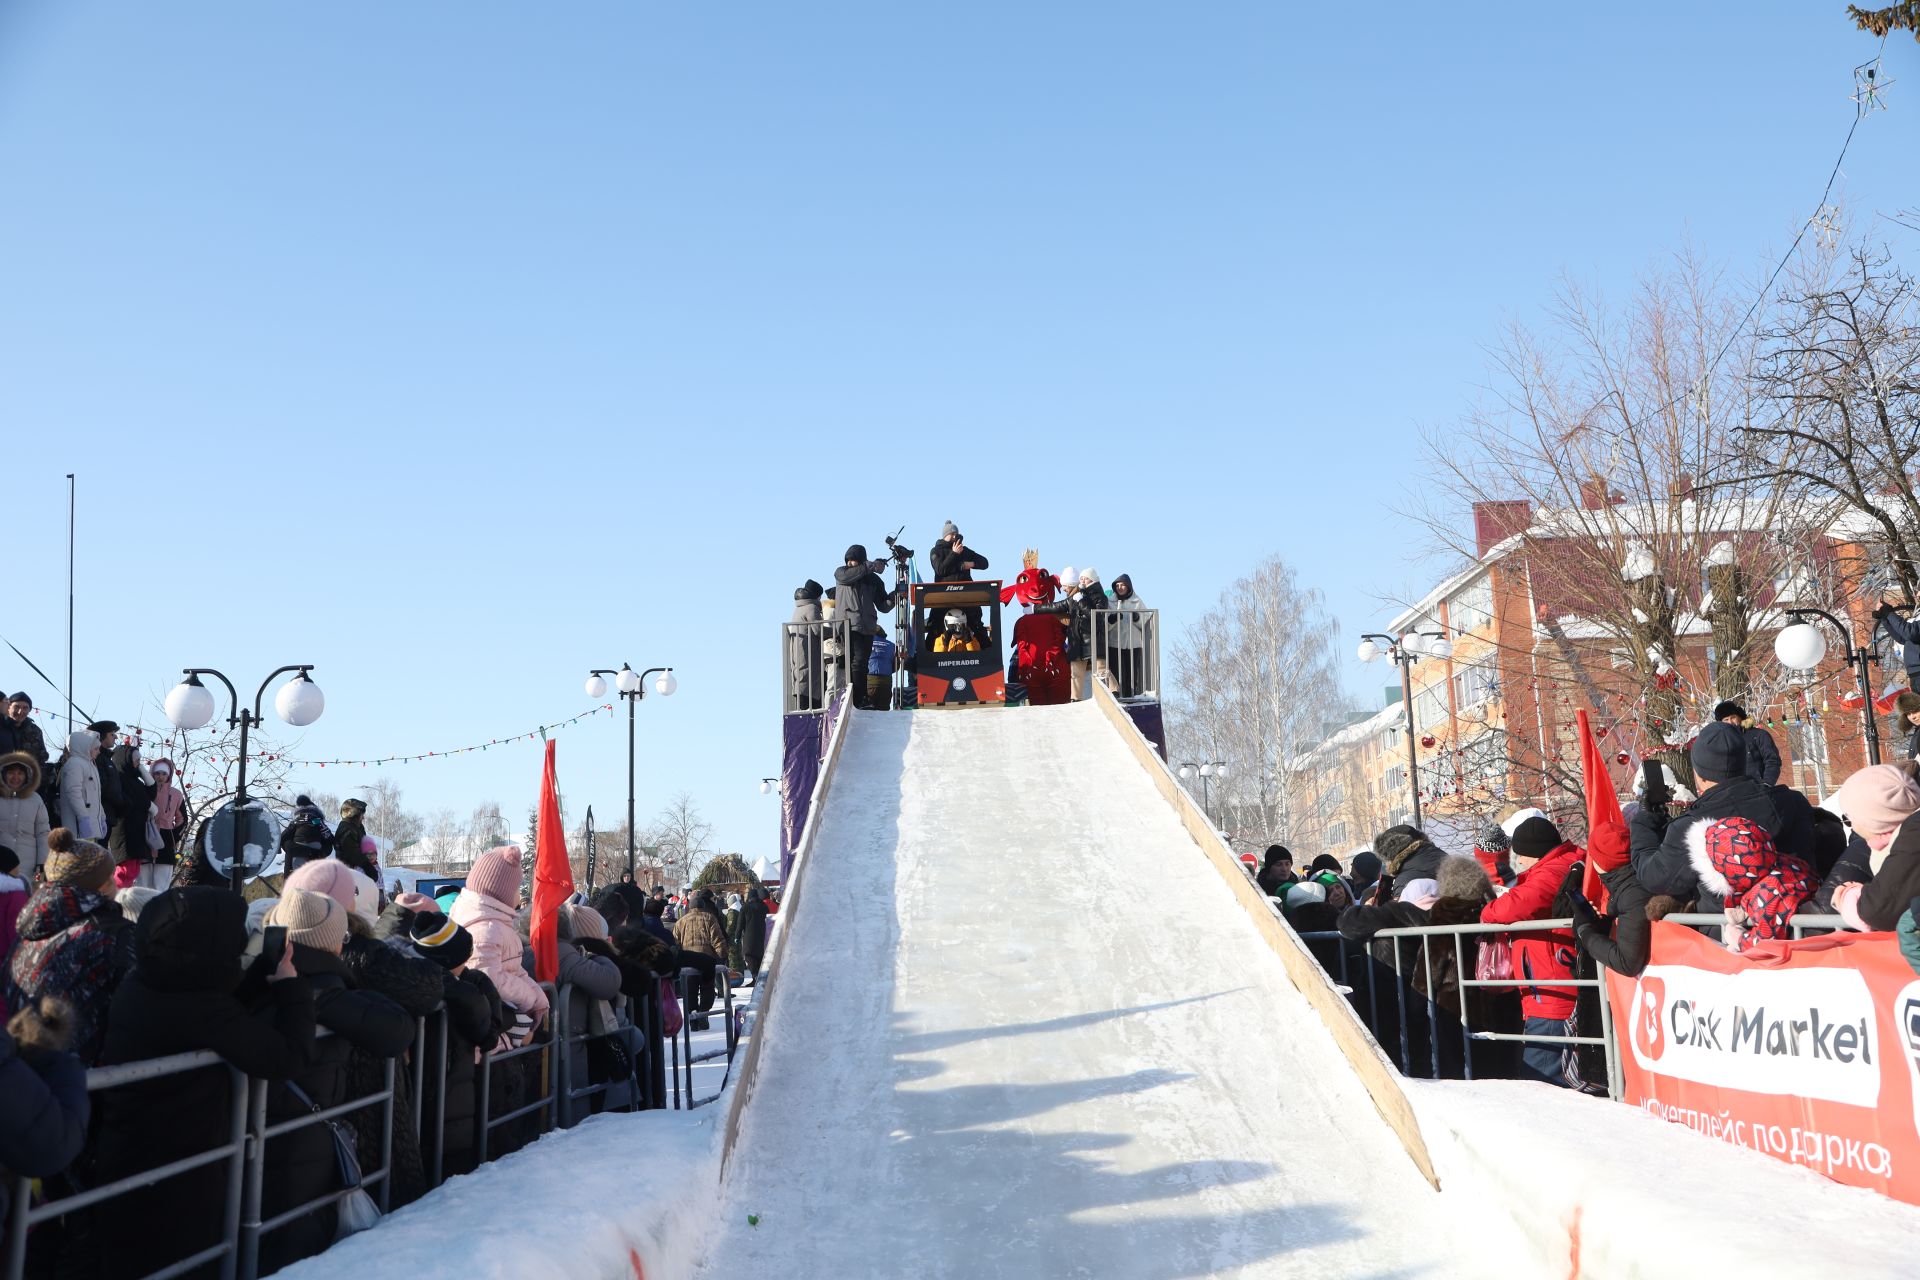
{"x":1433,"y":1017}
{"x":1126,"y":647}
{"x":249,"y":1158}
{"x":814,"y":658}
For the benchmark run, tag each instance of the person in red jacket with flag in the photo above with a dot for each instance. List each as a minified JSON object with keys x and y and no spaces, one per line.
{"x":1543,"y":858}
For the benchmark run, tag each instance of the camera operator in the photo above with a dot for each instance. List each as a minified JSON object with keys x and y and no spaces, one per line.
{"x":860,"y":596}
{"x":953,"y":560}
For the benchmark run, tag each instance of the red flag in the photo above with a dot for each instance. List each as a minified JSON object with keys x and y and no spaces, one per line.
{"x":552,"y":876}
{"x":1606,"y":826}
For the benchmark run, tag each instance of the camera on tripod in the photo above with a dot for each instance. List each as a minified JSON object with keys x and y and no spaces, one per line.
{"x":900,"y":554}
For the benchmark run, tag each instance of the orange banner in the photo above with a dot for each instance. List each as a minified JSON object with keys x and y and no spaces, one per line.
{"x":1808,"y":1051}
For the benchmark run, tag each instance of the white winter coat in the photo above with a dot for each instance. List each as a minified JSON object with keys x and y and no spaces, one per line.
{"x":80,"y":809}
{"x":23,"y":817}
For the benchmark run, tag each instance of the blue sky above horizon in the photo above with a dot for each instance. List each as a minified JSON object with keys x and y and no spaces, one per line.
{"x":457,"y":348}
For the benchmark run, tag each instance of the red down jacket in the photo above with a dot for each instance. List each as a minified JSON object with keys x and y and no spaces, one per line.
{"x":1539,"y":957}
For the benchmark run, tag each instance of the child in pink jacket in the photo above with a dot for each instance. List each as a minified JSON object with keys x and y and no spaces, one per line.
{"x":485,"y":909}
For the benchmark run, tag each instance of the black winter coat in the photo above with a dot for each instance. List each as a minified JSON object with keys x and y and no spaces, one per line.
{"x":753,"y":930}
{"x":1888,"y":892}
{"x":1763,"y":756}
{"x":1625,"y":949}
{"x":474,"y":1022}
{"x":187,"y":993}
{"x":417,"y":986}
{"x":302,"y":1165}
{"x":127,"y":838}
{"x":952,"y":566}
{"x":43,"y":1111}
{"x":1659,"y":853}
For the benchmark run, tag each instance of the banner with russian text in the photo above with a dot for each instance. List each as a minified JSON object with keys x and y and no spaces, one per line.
{"x":1808,"y":1051}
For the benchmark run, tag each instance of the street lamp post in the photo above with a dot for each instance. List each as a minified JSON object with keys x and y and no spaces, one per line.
{"x":190,"y":706}
{"x":1406,"y":651}
{"x":633,"y":688}
{"x":1208,"y":771}
{"x":767,"y":785}
{"x":1801,"y":647}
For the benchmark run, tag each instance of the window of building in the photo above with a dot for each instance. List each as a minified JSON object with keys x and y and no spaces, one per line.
{"x":1337,"y":834}
{"x":1474,"y":683}
{"x":1471,"y":609}
{"x":1430,"y":707}
{"x":1395,"y":780}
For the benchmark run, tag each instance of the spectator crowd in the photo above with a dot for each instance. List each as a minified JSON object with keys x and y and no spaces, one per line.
{"x":1738,"y":842}
{"x":123,"y":943}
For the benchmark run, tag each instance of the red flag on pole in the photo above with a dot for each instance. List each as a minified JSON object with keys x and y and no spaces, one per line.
{"x":552,"y":876}
{"x":1606,"y":826}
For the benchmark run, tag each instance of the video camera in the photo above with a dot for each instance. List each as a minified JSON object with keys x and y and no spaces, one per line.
{"x":900,"y":554}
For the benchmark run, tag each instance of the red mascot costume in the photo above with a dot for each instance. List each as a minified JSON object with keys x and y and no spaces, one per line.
{"x":1039,"y":639}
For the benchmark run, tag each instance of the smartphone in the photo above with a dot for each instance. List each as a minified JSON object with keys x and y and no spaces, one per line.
{"x":273,"y":943}
{"x":1385,"y":893}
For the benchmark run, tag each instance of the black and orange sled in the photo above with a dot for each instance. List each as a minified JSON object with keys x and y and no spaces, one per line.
{"x":956,"y":645}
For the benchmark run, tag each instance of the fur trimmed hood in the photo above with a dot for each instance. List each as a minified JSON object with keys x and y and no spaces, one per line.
{"x":32,"y":767}
{"x":1702,"y":861}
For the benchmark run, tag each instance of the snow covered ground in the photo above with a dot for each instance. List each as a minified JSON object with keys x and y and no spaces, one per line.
{"x":1023,"y":1029}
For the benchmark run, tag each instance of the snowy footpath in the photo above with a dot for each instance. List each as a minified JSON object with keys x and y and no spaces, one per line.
{"x":1023,"y":1029}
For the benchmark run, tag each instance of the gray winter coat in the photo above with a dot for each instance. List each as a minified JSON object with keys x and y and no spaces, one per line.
{"x":860,"y":596}
{"x":806,"y":668}
{"x":23,"y":816}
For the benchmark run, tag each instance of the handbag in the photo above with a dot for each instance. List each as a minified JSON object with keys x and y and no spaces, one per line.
{"x":670,"y":1015}
{"x":357,"y":1211}
{"x":608,"y":1060}
{"x":1494,"y":962}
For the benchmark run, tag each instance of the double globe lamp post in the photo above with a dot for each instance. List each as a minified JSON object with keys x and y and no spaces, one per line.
{"x":632,"y":686}
{"x":1800,"y":646}
{"x":190,"y":706}
{"x":1207,"y":770}
{"x":1404,"y":652}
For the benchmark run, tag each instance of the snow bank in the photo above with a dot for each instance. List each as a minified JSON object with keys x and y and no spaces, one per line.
{"x":1595,"y":1189}
{"x":617,"y":1197}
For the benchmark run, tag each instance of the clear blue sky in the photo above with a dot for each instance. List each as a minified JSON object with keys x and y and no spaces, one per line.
{"x":458,"y":347}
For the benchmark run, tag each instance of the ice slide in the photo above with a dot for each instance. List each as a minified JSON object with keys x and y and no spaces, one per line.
{"x":1022,"y":1027}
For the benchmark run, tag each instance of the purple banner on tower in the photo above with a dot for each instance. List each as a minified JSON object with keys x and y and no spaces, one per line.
{"x":799,"y":770}
{"x":1152,"y":726}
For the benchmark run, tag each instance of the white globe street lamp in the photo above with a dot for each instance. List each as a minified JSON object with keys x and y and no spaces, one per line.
{"x":1368,"y":651}
{"x":1800,"y":647}
{"x":190,"y":704}
{"x":666,"y":684}
{"x":299,"y":701}
{"x":596,"y":687}
{"x":627,"y":680}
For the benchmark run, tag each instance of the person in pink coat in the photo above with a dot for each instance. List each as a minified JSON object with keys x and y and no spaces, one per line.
{"x":485,"y":909}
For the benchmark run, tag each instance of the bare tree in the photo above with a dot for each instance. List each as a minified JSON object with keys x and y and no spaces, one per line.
{"x":683,"y":838}
{"x":1253,"y":684}
{"x":1607,"y":465}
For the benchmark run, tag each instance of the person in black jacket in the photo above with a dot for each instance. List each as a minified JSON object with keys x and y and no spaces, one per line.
{"x":187,"y":992}
{"x":1276,"y":871}
{"x":302,"y":1165}
{"x":1660,"y":851}
{"x":43,"y":1095}
{"x":1406,"y":853}
{"x":113,"y":801}
{"x":1763,"y":754}
{"x":860,"y":596}
{"x":1906,"y":634}
{"x":1622,"y":939}
{"x":953,"y":560}
{"x":391,"y":967}
{"x":753,"y":932}
{"x":475,"y":1020}
{"x":1907,"y":708}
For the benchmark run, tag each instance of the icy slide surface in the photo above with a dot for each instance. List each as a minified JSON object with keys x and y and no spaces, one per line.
{"x":1022,"y":1029}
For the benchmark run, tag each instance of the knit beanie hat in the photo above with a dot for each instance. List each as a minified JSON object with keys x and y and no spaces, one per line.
{"x":440,"y":940}
{"x":1492,"y":838}
{"x":496,"y":874}
{"x":1877,"y":799}
{"x":584,"y":922}
{"x":1720,"y":752}
{"x":1512,"y":821}
{"x":1536,"y":838}
{"x":311,"y":919}
{"x":1299,"y":895}
{"x":1607,"y":845}
{"x":948,"y":529}
{"x":328,"y":876}
{"x":415,"y":902}
{"x":1366,"y":867}
{"x":366,"y":896}
{"x":85,"y":865}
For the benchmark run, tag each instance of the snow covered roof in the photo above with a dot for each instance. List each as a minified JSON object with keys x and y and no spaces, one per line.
{"x":1391,"y":717}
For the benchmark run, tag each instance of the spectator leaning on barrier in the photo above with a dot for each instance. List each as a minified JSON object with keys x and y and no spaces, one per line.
{"x":73,"y":942}
{"x":1660,"y":852}
{"x":43,"y":1095}
{"x":1543,"y":858}
{"x":476,"y":1019}
{"x":1882,"y":804}
{"x":485,"y":909}
{"x":1622,"y":939}
{"x":301,"y":1165}
{"x":1127,"y":653}
{"x":1761,"y":886}
{"x":1490,"y":850}
{"x":1406,"y":854}
{"x":188,"y":992}
{"x":1276,"y":870}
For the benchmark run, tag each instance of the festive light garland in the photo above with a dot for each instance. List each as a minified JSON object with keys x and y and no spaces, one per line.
{"x":539,"y":732}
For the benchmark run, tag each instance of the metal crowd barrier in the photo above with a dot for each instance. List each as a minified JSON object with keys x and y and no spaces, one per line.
{"x":249,"y":1132}
{"x":1345,"y":948}
{"x":1126,"y":646}
{"x":813,"y":663}
{"x":683,"y":1060}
